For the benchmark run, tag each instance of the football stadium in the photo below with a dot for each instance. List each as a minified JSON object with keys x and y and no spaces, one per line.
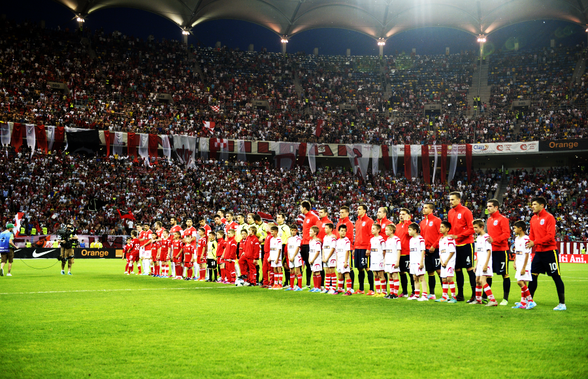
{"x":304,"y":189}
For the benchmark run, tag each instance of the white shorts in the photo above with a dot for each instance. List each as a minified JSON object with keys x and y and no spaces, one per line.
{"x":331,"y":263}
{"x":391,"y":269}
{"x":447,"y":271}
{"x":275,"y":265}
{"x":317,"y":266}
{"x":479,"y":271}
{"x":145,"y":254}
{"x":376,"y":264}
{"x":527,"y":277}
{"x":341,"y":269}
{"x":415,"y":270}
{"x":297,"y":262}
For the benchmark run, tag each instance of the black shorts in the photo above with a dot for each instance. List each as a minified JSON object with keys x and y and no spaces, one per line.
{"x":464,"y":256}
{"x":360,"y":259}
{"x":432,"y":261}
{"x":545,"y":262}
{"x":8,"y":256}
{"x":304,"y":252}
{"x":211,"y":263}
{"x":404,"y":263}
{"x":500,"y":262}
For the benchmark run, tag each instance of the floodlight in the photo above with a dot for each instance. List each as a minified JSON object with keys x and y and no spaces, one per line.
{"x":481,"y":38}
{"x":185,"y":32}
{"x":381,"y":42}
{"x":284,"y":40}
{"x":79,"y":19}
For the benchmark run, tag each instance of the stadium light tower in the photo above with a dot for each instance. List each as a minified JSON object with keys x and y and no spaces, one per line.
{"x":284,"y":41}
{"x":185,"y":34}
{"x":381,"y":44}
{"x":80,"y":19}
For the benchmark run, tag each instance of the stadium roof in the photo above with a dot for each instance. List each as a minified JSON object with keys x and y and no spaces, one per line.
{"x":376,"y":18}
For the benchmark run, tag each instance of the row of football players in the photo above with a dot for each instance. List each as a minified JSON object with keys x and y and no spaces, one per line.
{"x":330,"y":257}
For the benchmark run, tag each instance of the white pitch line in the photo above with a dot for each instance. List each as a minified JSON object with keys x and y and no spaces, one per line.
{"x":114,"y":290}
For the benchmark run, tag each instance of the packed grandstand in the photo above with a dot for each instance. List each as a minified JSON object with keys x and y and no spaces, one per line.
{"x":113,"y":84}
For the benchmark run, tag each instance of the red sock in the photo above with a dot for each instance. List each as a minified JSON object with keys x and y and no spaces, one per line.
{"x":292,"y":278}
{"x":178,"y":270}
{"x":479,"y":294}
{"x":190,"y":272}
{"x":299,"y":276}
{"x":489,"y":292}
{"x":340,"y":285}
{"x":396,"y":287}
{"x":317,"y":282}
{"x":348,"y":284}
{"x":202,"y":274}
{"x":139,"y":268}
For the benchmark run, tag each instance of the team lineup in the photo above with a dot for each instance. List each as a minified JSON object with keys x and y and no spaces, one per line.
{"x":234,"y":252}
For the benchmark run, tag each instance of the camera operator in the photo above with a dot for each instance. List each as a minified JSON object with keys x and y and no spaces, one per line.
{"x":67,"y":241}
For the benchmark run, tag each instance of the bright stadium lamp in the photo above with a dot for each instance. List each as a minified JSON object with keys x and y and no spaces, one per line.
{"x":481,"y":38}
{"x":79,"y":19}
{"x":185,"y":33}
{"x":381,"y":42}
{"x":284,"y":40}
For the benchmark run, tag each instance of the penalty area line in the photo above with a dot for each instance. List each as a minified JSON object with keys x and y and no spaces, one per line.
{"x":115,"y":290}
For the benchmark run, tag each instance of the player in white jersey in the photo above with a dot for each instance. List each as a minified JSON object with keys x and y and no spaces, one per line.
{"x":522,"y":265}
{"x":343,"y":252}
{"x":329,"y":259}
{"x":294,"y":259}
{"x":376,"y":257}
{"x":315,"y":258}
{"x":447,"y":258}
{"x":275,"y":258}
{"x":392,"y":261}
{"x":417,"y":262}
{"x":483,"y":265}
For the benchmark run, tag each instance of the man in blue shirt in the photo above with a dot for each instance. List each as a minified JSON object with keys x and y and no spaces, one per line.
{"x":6,"y":248}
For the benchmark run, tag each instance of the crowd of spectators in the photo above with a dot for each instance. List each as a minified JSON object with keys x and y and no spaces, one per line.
{"x":57,"y":188}
{"x":113,"y":81}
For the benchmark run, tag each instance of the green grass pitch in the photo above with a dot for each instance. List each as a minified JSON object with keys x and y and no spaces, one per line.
{"x":100,"y":323}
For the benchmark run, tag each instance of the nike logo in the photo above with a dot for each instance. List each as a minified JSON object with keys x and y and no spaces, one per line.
{"x":37,"y":255}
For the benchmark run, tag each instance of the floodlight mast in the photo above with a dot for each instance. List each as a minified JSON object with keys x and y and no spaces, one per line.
{"x":481,"y":40}
{"x":284,"y":42}
{"x":80,"y":20}
{"x":381,"y":44}
{"x":185,"y":34}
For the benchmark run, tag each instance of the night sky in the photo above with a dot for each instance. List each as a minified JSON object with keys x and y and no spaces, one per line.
{"x":239,"y":34}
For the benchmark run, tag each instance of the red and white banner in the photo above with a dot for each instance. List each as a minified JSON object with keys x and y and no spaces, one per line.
{"x":573,"y":258}
{"x":572,"y":247}
{"x":209,"y":125}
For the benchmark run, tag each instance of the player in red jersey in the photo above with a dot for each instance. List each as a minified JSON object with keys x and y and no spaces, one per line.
{"x":499,"y":234}
{"x":546,"y":260}
{"x":267,"y":272}
{"x":363,"y":236}
{"x":155,"y":248}
{"x":128,"y":253}
{"x":323,"y":220}
{"x":203,"y":224}
{"x":462,"y":231}
{"x":430,"y":226}
{"x":310,"y":220}
{"x":145,"y":239}
{"x":402,"y":234}
{"x":229,"y":256}
{"x":202,"y":245}
{"x":174,"y":227}
{"x":251,"y":253}
{"x":188,"y":251}
{"x":164,"y":255}
{"x":135,"y":251}
{"x":220,"y":250}
{"x":230,"y":223}
{"x":177,"y":255}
